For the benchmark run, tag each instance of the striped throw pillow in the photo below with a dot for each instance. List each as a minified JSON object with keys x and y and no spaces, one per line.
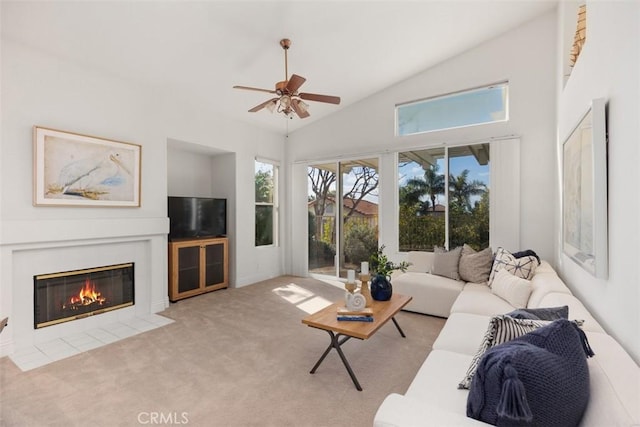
{"x":500,"y":330}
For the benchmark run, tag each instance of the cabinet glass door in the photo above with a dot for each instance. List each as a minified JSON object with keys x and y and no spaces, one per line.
{"x":188,"y":268}
{"x":214,"y":264}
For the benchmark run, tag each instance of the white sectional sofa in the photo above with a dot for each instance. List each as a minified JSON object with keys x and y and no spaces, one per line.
{"x":433,"y":398}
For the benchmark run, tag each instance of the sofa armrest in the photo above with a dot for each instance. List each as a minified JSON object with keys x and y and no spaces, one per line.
{"x":397,"y":410}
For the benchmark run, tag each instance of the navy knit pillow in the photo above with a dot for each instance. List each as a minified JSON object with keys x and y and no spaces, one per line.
{"x":538,"y":379}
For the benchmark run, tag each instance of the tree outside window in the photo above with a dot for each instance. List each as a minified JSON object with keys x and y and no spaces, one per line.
{"x":266,"y":203}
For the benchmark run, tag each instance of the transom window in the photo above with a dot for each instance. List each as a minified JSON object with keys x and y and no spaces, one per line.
{"x":466,"y":108}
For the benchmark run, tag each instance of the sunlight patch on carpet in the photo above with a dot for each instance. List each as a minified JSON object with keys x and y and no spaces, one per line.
{"x":302,"y":298}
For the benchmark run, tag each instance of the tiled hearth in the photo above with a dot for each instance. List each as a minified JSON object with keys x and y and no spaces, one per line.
{"x":30,"y":249}
{"x":60,"y":348}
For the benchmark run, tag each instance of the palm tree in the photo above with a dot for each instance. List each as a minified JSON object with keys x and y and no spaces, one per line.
{"x":432,"y":185}
{"x":462,"y":190}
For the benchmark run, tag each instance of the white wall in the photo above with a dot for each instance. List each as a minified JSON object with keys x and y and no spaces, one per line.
{"x":524,"y":56}
{"x":609,"y":67}
{"x":188,"y":173}
{"x":40,"y":89}
{"x":222,"y":173}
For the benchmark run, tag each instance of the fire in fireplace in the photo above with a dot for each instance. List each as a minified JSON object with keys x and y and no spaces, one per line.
{"x":70,"y":295}
{"x":88,"y":295}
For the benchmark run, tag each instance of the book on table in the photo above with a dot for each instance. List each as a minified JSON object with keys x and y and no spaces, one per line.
{"x":344,"y":311}
{"x":354,"y":318}
{"x":362,"y":315}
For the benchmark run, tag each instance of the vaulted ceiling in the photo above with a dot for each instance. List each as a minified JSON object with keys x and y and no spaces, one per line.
{"x":351,"y":49}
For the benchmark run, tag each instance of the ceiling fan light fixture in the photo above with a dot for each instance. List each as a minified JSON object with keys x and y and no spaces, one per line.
{"x":285,"y":102}
{"x":303,"y":106}
{"x":289,"y":100}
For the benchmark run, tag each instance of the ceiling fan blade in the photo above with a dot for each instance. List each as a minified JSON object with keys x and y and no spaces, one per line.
{"x":294,"y":83}
{"x":264,"y":104}
{"x":320,"y":98}
{"x":254,"y":88}
{"x":301,"y":110}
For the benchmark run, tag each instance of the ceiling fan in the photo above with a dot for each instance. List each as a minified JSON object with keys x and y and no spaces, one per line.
{"x":289,"y":101}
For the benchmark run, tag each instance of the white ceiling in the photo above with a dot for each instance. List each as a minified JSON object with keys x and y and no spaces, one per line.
{"x":351,"y":49}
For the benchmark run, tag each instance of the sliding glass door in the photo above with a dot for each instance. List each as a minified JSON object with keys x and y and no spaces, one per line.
{"x":343,"y":215}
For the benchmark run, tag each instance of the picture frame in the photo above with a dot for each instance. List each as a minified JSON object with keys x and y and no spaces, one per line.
{"x":584,"y":191}
{"x":72,"y":169}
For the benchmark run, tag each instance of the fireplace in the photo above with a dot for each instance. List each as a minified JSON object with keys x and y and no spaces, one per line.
{"x":70,"y":295}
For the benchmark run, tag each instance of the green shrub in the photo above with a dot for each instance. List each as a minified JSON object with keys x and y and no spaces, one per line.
{"x":360,"y":241}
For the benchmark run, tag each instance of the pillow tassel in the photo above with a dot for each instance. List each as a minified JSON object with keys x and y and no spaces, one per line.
{"x":513,"y":403}
{"x":585,"y":342}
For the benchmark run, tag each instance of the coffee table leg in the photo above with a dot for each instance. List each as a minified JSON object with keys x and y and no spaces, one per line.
{"x":395,"y":322}
{"x":336,"y":342}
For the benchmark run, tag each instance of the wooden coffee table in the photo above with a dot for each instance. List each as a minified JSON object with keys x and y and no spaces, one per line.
{"x":342,"y":331}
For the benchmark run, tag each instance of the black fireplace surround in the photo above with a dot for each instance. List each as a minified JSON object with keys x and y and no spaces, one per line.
{"x":61,"y":297}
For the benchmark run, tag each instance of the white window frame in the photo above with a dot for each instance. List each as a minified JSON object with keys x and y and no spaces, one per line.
{"x":452,"y":95}
{"x":275,"y":204}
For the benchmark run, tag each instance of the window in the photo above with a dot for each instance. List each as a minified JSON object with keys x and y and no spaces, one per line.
{"x":471,"y":107}
{"x":435,"y":211}
{"x":266,"y":179}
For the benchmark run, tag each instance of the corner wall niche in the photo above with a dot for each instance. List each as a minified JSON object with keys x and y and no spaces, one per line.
{"x":195,"y":170}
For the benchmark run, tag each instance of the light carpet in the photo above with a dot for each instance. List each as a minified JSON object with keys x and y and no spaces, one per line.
{"x":234,"y":357}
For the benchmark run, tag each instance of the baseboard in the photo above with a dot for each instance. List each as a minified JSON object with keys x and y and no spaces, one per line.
{"x":158,"y":306}
{"x":6,"y":348}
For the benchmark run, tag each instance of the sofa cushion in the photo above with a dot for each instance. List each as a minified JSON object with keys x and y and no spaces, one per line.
{"x":397,"y":410}
{"x":523,"y":267}
{"x":432,"y":382}
{"x":615,"y":382}
{"x":462,"y":333}
{"x":541,"y":378}
{"x":500,"y":330}
{"x":475,"y":266}
{"x":479,"y":299}
{"x":445,"y":263}
{"x":511,"y":288}
{"x":577,"y":311}
{"x":543,"y":282}
{"x":431,"y":294}
{"x":419,"y":261}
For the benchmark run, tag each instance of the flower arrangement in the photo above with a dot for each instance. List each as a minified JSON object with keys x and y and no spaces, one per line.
{"x":380,"y":264}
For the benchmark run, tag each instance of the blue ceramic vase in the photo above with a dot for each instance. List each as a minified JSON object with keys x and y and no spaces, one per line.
{"x":381,"y":289}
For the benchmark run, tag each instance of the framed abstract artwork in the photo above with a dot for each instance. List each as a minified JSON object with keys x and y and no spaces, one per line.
{"x":79,"y":170}
{"x":584,"y":192}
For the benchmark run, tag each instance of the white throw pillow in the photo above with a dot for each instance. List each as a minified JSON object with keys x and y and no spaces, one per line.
{"x":514,"y":290}
{"x":523,"y":267}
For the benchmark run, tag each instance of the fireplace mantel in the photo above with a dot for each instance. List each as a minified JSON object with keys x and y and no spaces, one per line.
{"x":29,"y":248}
{"x":29,"y":232}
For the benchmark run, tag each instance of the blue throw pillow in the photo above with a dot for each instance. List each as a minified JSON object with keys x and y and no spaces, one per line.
{"x":545,"y":313}
{"x":538,"y":379}
{"x":528,"y":252}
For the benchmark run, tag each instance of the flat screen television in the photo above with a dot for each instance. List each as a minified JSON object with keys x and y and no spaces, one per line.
{"x":196,"y":217}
